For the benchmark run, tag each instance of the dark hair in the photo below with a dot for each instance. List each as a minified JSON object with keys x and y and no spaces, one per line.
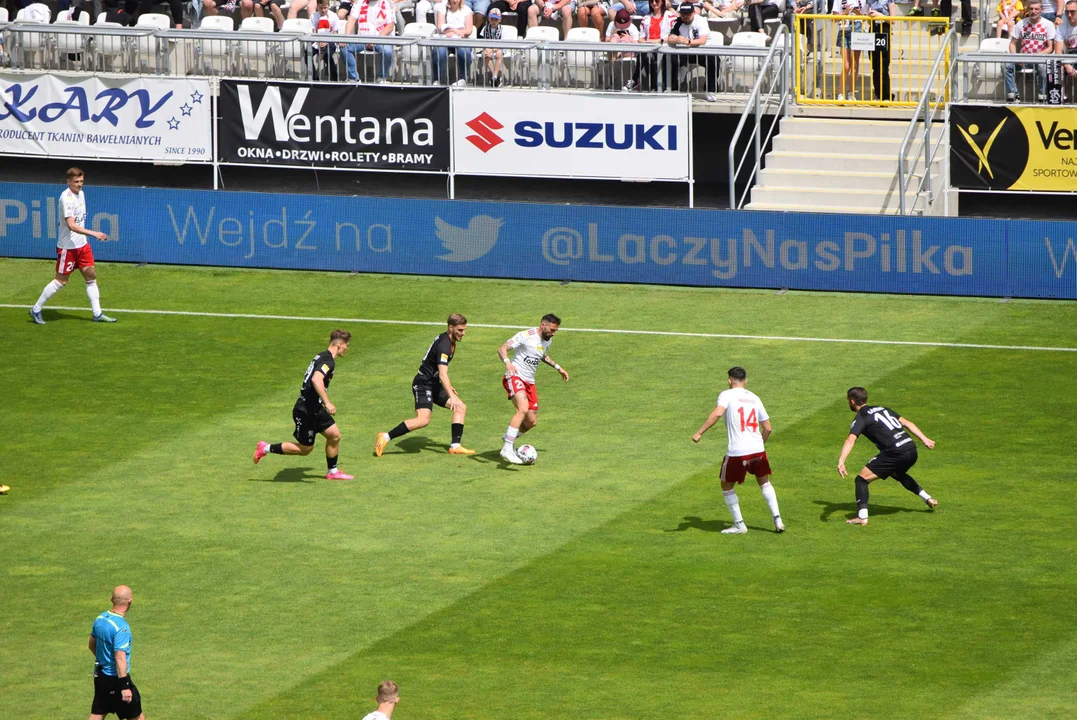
{"x":858,"y":394}
{"x":737,"y":373}
{"x":551,"y":318}
{"x":457,"y":319}
{"x":74,"y":172}
{"x":342,"y":335}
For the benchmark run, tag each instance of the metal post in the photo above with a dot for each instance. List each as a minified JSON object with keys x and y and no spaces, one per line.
{"x":215,"y":92}
{"x":758,"y":141}
{"x":927,"y":147}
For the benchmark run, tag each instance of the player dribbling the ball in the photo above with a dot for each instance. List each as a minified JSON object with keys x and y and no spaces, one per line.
{"x":529,"y":349}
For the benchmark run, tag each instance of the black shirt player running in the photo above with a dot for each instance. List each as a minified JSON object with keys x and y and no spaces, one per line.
{"x":897,"y":451}
{"x":431,"y":387}
{"x":313,"y":413}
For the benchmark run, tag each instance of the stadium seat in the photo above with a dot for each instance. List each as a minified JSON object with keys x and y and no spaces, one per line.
{"x":3,"y":15}
{"x":410,"y":57}
{"x":532,"y":69}
{"x":108,"y":48}
{"x":258,"y":59}
{"x":749,"y":39}
{"x":985,"y":79}
{"x":207,"y":53}
{"x":147,"y":46}
{"x":31,"y":44}
{"x":67,"y":45}
{"x":295,"y":52}
{"x":715,"y":39}
{"x":582,"y":34}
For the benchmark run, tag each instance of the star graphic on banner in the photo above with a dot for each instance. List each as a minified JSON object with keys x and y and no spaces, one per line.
{"x":186,"y":109}
{"x":196,"y":97}
{"x":173,"y":124}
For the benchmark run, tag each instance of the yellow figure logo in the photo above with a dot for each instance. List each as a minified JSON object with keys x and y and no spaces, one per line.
{"x":982,"y":154}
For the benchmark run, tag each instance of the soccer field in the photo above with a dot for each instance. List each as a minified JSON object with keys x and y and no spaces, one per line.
{"x":594,"y":584}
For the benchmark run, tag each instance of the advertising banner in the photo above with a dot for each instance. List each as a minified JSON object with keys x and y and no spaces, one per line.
{"x":334,"y":126}
{"x":1013,"y":147}
{"x":114,"y":118}
{"x":711,"y":248}
{"x":525,"y":133}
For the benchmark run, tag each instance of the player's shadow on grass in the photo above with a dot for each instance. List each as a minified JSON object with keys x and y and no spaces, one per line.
{"x":292,"y":475}
{"x":493,"y":456}
{"x":413,"y":444}
{"x":690,"y":522}
{"x":53,"y":315}
{"x":849,"y":509}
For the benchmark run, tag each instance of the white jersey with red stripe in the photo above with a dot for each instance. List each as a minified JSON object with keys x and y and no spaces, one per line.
{"x":744,"y":413}
{"x":71,"y":206}
{"x":528,"y":350}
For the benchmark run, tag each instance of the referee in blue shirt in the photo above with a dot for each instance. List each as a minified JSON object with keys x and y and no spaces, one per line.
{"x":110,"y":642}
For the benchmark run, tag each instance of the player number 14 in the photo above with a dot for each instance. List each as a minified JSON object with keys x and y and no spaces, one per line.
{"x":748,"y":423}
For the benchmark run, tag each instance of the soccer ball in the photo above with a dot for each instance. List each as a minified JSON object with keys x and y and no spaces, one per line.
{"x":528,"y":454}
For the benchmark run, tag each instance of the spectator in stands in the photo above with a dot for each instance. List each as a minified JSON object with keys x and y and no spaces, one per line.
{"x":262,"y":8}
{"x":1066,"y":39}
{"x":526,"y":13}
{"x":850,"y":59}
{"x":947,"y":8}
{"x":554,"y":10}
{"x":116,"y":12}
{"x":1049,"y":11}
{"x":621,"y":30}
{"x":722,"y":8}
{"x":880,"y":59}
{"x":1009,"y":14}
{"x":370,"y":17}
{"x":759,"y":11}
{"x":691,"y":30}
{"x":325,"y":22}
{"x":454,"y":21}
{"x":1033,"y":36}
{"x":492,"y":58}
{"x":479,"y":10}
{"x":653,"y":29}
{"x":591,"y":12}
{"x":216,"y":7}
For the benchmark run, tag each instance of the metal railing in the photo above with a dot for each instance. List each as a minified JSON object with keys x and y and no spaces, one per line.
{"x":982,"y":77}
{"x":773,"y":71}
{"x":933,"y":135}
{"x":835,"y":64}
{"x":643,"y":67}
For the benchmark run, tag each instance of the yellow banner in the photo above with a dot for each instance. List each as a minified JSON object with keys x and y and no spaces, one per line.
{"x":1013,"y":148}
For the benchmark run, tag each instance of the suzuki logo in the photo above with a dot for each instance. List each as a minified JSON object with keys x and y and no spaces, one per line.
{"x":485,"y":138}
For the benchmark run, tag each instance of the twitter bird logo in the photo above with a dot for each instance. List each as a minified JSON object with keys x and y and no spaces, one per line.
{"x":470,"y":243}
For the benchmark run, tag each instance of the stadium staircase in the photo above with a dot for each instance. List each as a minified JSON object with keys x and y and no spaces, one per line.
{"x":822,"y":163}
{"x":838,"y":165}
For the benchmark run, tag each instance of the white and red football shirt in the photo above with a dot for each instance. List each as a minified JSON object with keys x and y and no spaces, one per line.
{"x":1032,"y":37}
{"x":744,"y":413}
{"x":71,"y":206}
{"x":372,"y":16}
{"x":528,"y":350}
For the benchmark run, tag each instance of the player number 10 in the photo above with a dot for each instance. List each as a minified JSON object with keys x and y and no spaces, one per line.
{"x":748,"y":423}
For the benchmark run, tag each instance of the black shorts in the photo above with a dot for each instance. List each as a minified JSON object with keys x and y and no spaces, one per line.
{"x":308,"y":426}
{"x":427,"y":395}
{"x":107,"y":698}
{"x":887,"y":464}
{"x":346,"y":6}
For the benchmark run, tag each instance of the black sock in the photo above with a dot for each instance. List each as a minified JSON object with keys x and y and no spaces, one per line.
{"x":399,"y":430}
{"x":276,"y":449}
{"x":911,"y":485}
{"x":457,"y":433}
{"x":861,"y":493}
{"x":331,"y":462}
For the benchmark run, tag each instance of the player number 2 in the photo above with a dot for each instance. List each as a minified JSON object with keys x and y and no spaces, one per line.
{"x":748,"y":423}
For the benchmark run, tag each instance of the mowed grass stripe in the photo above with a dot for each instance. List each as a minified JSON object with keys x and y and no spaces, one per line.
{"x":570,"y":330}
{"x":918,"y":614}
{"x":327,"y":694}
{"x":218,"y":540}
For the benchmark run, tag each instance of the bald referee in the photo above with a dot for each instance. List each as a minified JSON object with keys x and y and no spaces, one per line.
{"x":110,"y":642}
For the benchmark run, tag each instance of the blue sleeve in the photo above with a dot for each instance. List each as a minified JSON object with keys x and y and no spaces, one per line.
{"x":122,"y":641}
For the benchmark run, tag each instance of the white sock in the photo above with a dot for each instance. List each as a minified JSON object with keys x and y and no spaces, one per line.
{"x":51,"y":289}
{"x":510,"y":436}
{"x":924,"y":495}
{"x":454,"y":445}
{"x":862,"y":514}
{"x":771,"y":497}
{"x":94,"y":294}
{"x":733,"y":504}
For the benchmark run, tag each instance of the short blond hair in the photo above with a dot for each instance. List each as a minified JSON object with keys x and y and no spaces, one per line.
{"x":388,"y":691}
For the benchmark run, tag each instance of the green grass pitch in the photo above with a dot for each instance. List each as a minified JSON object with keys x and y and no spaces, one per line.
{"x":592,"y":585}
